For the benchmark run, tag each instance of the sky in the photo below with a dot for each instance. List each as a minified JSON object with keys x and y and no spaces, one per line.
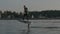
{"x":33,"y":5}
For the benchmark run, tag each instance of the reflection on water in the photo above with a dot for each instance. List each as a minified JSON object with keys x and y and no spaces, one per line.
{"x":38,"y":27}
{"x":25,"y":32}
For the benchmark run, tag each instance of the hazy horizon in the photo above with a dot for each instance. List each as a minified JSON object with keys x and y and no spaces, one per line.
{"x":33,"y":5}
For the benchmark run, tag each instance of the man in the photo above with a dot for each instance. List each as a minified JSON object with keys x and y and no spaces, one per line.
{"x":25,"y":12}
{"x":26,"y":16}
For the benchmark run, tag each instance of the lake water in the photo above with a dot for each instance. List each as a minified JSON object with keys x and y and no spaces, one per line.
{"x":36,"y":27}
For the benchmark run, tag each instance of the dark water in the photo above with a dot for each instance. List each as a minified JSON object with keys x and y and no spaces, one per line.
{"x":37,"y":27}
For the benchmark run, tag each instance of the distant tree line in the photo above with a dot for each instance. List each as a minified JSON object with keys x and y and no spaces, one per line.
{"x":31,"y":14}
{"x":45,"y":14}
{"x":10,"y":14}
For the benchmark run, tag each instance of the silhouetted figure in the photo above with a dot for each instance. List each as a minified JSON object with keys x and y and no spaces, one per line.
{"x":25,"y":16}
{"x":25,"y":9}
{"x":25,"y":12}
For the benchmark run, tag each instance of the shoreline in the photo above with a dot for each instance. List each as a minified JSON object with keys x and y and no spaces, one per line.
{"x":30,"y":19}
{"x":45,"y":19}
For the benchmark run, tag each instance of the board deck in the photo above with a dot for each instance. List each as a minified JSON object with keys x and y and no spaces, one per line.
{"x":24,"y":21}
